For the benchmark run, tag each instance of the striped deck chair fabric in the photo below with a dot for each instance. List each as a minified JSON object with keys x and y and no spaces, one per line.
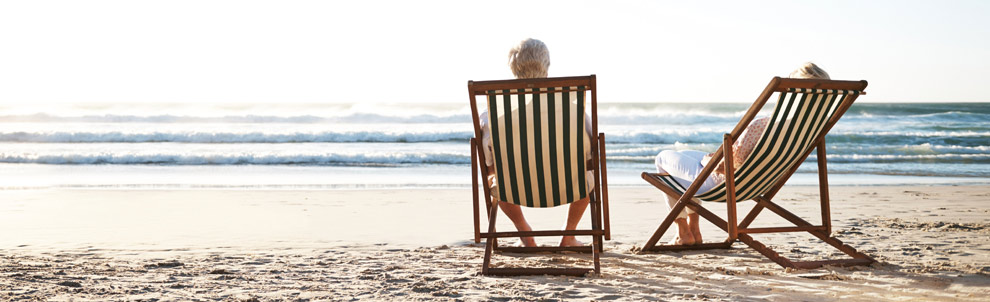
{"x":798,"y":118}
{"x":540,"y":145}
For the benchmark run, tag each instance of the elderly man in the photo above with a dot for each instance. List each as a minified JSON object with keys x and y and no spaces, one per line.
{"x":531,"y":59}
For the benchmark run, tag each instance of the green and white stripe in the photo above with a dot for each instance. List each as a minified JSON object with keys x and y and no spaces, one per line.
{"x":538,"y":138}
{"x":798,"y":118}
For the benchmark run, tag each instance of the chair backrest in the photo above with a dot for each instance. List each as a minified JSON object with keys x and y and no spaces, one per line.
{"x":538,"y":137}
{"x":805,"y":111}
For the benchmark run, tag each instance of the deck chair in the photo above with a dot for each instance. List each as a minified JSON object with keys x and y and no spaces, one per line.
{"x":537,"y":132}
{"x":805,"y":111}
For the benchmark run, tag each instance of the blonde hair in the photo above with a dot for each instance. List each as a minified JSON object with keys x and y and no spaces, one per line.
{"x":810,"y":71}
{"x":529,"y":59}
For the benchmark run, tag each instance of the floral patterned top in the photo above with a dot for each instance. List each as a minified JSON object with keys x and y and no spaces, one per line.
{"x":742,"y":147}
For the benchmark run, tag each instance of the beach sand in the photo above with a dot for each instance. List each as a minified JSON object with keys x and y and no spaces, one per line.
{"x":932,"y":244}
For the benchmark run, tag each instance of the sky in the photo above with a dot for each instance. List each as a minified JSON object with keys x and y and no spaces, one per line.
{"x":426,"y":51}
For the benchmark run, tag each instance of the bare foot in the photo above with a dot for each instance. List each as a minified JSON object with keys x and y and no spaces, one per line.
{"x":684,"y":234}
{"x":682,"y":241}
{"x":570,"y":241}
{"x":693,"y":220}
{"x":528,"y":241}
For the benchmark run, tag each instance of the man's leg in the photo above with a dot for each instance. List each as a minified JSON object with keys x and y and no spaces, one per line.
{"x":574,"y":214}
{"x":515,"y":214}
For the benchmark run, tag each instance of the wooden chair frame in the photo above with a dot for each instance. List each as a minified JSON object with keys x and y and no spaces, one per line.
{"x":598,"y":197}
{"x":742,"y":230}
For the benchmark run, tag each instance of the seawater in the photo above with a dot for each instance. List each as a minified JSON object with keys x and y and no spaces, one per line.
{"x":362,"y":145}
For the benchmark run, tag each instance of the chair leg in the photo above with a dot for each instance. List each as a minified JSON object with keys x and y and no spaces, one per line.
{"x":765,"y":251}
{"x":596,"y":253}
{"x":490,"y":242}
{"x":596,"y":221}
{"x":475,"y":200}
{"x":604,"y":186}
{"x":662,"y":229}
{"x":858,"y":258}
{"x":751,"y":216}
{"x":730,"y":187}
{"x":744,"y":238}
{"x":492,"y":245}
{"x":823,"y":186}
{"x":596,"y":240}
{"x":834,"y":242}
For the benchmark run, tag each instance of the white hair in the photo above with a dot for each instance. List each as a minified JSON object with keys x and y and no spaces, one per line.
{"x":529,"y":59}
{"x":810,"y":71}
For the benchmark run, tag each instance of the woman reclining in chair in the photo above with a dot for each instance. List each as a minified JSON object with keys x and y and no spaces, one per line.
{"x":531,"y":59}
{"x":685,"y":165}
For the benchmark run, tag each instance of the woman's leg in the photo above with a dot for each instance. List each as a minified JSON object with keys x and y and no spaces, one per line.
{"x":684,"y":167}
{"x":695,"y":227}
{"x":697,"y":156}
{"x":693,"y":218}
{"x":686,"y":235}
{"x":574,"y":213}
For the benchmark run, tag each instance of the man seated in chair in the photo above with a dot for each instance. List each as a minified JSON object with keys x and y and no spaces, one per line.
{"x":531,"y":59}
{"x":685,"y":165}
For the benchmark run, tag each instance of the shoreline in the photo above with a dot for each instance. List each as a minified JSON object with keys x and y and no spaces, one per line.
{"x":248,"y":177}
{"x":852,"y":180}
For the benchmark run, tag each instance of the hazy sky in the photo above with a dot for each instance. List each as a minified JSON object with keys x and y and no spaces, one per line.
{"x":425,"y":51}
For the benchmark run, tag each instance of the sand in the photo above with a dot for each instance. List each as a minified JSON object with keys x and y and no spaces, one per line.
{"x":932,"y":243}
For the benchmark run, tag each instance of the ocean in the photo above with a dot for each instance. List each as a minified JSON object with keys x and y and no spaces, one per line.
{"x":402,"y":145}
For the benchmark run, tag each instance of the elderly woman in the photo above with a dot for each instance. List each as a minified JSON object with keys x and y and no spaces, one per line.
{"x":531,"y":59}
{"x":685,"y":165}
